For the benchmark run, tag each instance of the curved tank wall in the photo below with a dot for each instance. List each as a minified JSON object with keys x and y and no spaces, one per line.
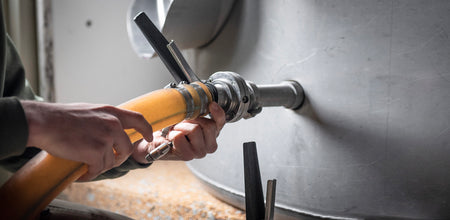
{"x":372,"y":139}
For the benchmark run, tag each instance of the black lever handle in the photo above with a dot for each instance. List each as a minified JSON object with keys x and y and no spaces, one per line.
{"x":159,"y":44}
{"x":254,"y":198}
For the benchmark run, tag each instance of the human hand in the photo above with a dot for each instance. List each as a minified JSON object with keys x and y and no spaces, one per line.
{"x":88,"y":133}
{"x":191,"y":138}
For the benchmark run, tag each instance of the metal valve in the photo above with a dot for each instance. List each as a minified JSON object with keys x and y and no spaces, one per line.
{"x":244,"y":99}
{"x":239,"y":98}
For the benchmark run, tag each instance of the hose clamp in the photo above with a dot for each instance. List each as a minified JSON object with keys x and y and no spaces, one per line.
{"x":203,"y":98}
{"x":190,"y":106}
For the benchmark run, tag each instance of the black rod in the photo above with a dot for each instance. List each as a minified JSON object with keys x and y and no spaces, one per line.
{"x":159,"y":44}
{"x":254,"y":198}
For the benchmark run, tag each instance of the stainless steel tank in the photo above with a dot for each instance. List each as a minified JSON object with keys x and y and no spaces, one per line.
{"x":373,"y":138}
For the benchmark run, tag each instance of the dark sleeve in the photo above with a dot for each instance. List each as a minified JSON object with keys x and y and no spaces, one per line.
{"x":15,"y":83}
{"x":13,"y":86}
{"x":13,"y":128}
{"x":13,"y":123}
{"x":123,"y":169}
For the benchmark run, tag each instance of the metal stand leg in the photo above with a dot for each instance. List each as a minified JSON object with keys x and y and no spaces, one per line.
{"x":270,"y":199}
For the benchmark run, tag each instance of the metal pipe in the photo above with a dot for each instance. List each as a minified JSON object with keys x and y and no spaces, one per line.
{"x":288,"y":94}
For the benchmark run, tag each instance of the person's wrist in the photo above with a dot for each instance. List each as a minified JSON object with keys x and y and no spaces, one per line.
{"x":31,"y":109}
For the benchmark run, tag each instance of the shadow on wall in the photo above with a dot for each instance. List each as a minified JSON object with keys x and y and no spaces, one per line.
{"x":229,"y":40}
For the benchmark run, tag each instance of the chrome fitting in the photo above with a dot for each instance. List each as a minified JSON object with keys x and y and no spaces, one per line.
{"x":244,"y":99}
{"x":159,"y":152}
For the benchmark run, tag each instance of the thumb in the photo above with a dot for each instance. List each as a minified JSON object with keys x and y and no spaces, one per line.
{"x":217,"y":114}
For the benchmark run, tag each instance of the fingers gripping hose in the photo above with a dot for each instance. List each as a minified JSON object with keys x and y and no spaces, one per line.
{"x":37,"y":183}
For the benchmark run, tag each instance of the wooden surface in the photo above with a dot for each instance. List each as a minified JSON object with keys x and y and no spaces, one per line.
{"x":165,"y":190}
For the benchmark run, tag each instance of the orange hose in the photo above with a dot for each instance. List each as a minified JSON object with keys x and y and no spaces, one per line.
{"x":39,"y":181}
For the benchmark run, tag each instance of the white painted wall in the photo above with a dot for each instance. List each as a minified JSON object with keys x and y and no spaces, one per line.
{"x":96,"y":63}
